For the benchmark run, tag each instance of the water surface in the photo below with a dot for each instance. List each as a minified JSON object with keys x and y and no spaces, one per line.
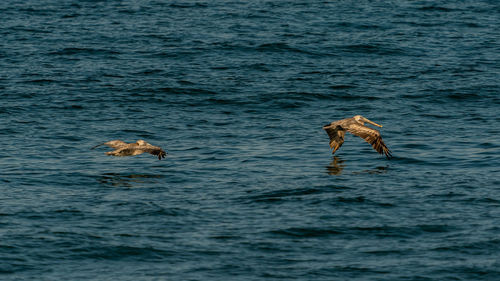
{"x":238,"y":93}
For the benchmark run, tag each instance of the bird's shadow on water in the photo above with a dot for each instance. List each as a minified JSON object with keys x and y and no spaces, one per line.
{"x":337,"y":167}
{"x":128,"y":180}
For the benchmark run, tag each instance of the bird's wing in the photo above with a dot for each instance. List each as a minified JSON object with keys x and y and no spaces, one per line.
{"x":371,"y":136}
{"x":125,"y":151}
{"x":154,"y":150}
{"x":113,"y":144}
{"x":336,"y":134}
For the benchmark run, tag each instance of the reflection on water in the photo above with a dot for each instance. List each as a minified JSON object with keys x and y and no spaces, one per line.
{"x":336,"y":166}
{"x":127,"y":180}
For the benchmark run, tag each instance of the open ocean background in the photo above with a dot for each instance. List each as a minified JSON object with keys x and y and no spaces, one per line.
{"x":238,"y":92}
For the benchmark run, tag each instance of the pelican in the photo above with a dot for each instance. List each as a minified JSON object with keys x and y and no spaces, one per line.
{"x":130,"y":149}
{"x":356,"y":126}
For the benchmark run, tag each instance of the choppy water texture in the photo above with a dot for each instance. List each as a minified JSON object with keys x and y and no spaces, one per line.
{"x":238,"y":92}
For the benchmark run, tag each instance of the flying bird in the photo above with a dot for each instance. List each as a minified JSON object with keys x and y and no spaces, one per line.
{"x":356,"y":126}
{"x":130,"y":149}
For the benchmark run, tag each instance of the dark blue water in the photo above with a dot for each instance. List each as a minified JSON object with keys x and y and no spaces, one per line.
{"x":238,"y":92}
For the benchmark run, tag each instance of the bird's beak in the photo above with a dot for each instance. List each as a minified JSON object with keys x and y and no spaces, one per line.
{"x":373,"y":123}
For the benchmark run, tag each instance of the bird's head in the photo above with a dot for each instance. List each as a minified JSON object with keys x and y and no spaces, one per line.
{"x":141,"y":142}
{"x":360,"y":119}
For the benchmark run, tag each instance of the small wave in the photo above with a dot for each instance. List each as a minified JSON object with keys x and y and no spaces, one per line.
{"x":418,"y":96}
{"x":439,"y":228}
{"x":470,"y":247}
{"x":69,"y":211}
{"x":221,"y":101}
{"x":342,"y":87}
{"x":380,"y":231}
{"x":486,"y":200}
{"x":226,"y":237}
{"x":160,"y":211}
{"x":464,"y":96}
{"x":386,"y":252}
{"x":187,"y":91}
{"x":71,"y":138}
{"x":396,"y":231}
{"x":183,"y":5}
{"x":306,"y":232}
{"x":150,"y":72}
{"x":416,"y":145}
{"x":259,"y":67}
{"x":279,"y":47}
{"x":39,"y":81}
{"x":360,"y":25}
{"x":363,"y":200}
{"x":74,"y":106}
{"x":438,"y":116}
{"x":471,"y":24}
{"x":66,"y":107}
{"x":175,"y":54}
{"x":295,"y":96}
{"x":359,"y":199}
{"x":370,"y":49}
{"x":38,"y":11}
{"x":83,"y":51}
{"x":298,"y":97}
{"x":121,"y":252}
{"x":8,"y":131}
{"x":185,"y":82}
{"x":285,"y":193}
{"x":71,"y":15}
{"x":355,"y":97}
{"x":435,"y":9}
{"x":127,"y":180}
{"x":411,"y":160}
{"x":32,"y":30}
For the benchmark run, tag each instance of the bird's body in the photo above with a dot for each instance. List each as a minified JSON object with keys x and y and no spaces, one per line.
{"x":130,"y":149}
{"x":356,"y":126}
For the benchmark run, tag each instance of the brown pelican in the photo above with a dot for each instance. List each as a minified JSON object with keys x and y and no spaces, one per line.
{"x":356,"y":126}
{"x":130,"y":149}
